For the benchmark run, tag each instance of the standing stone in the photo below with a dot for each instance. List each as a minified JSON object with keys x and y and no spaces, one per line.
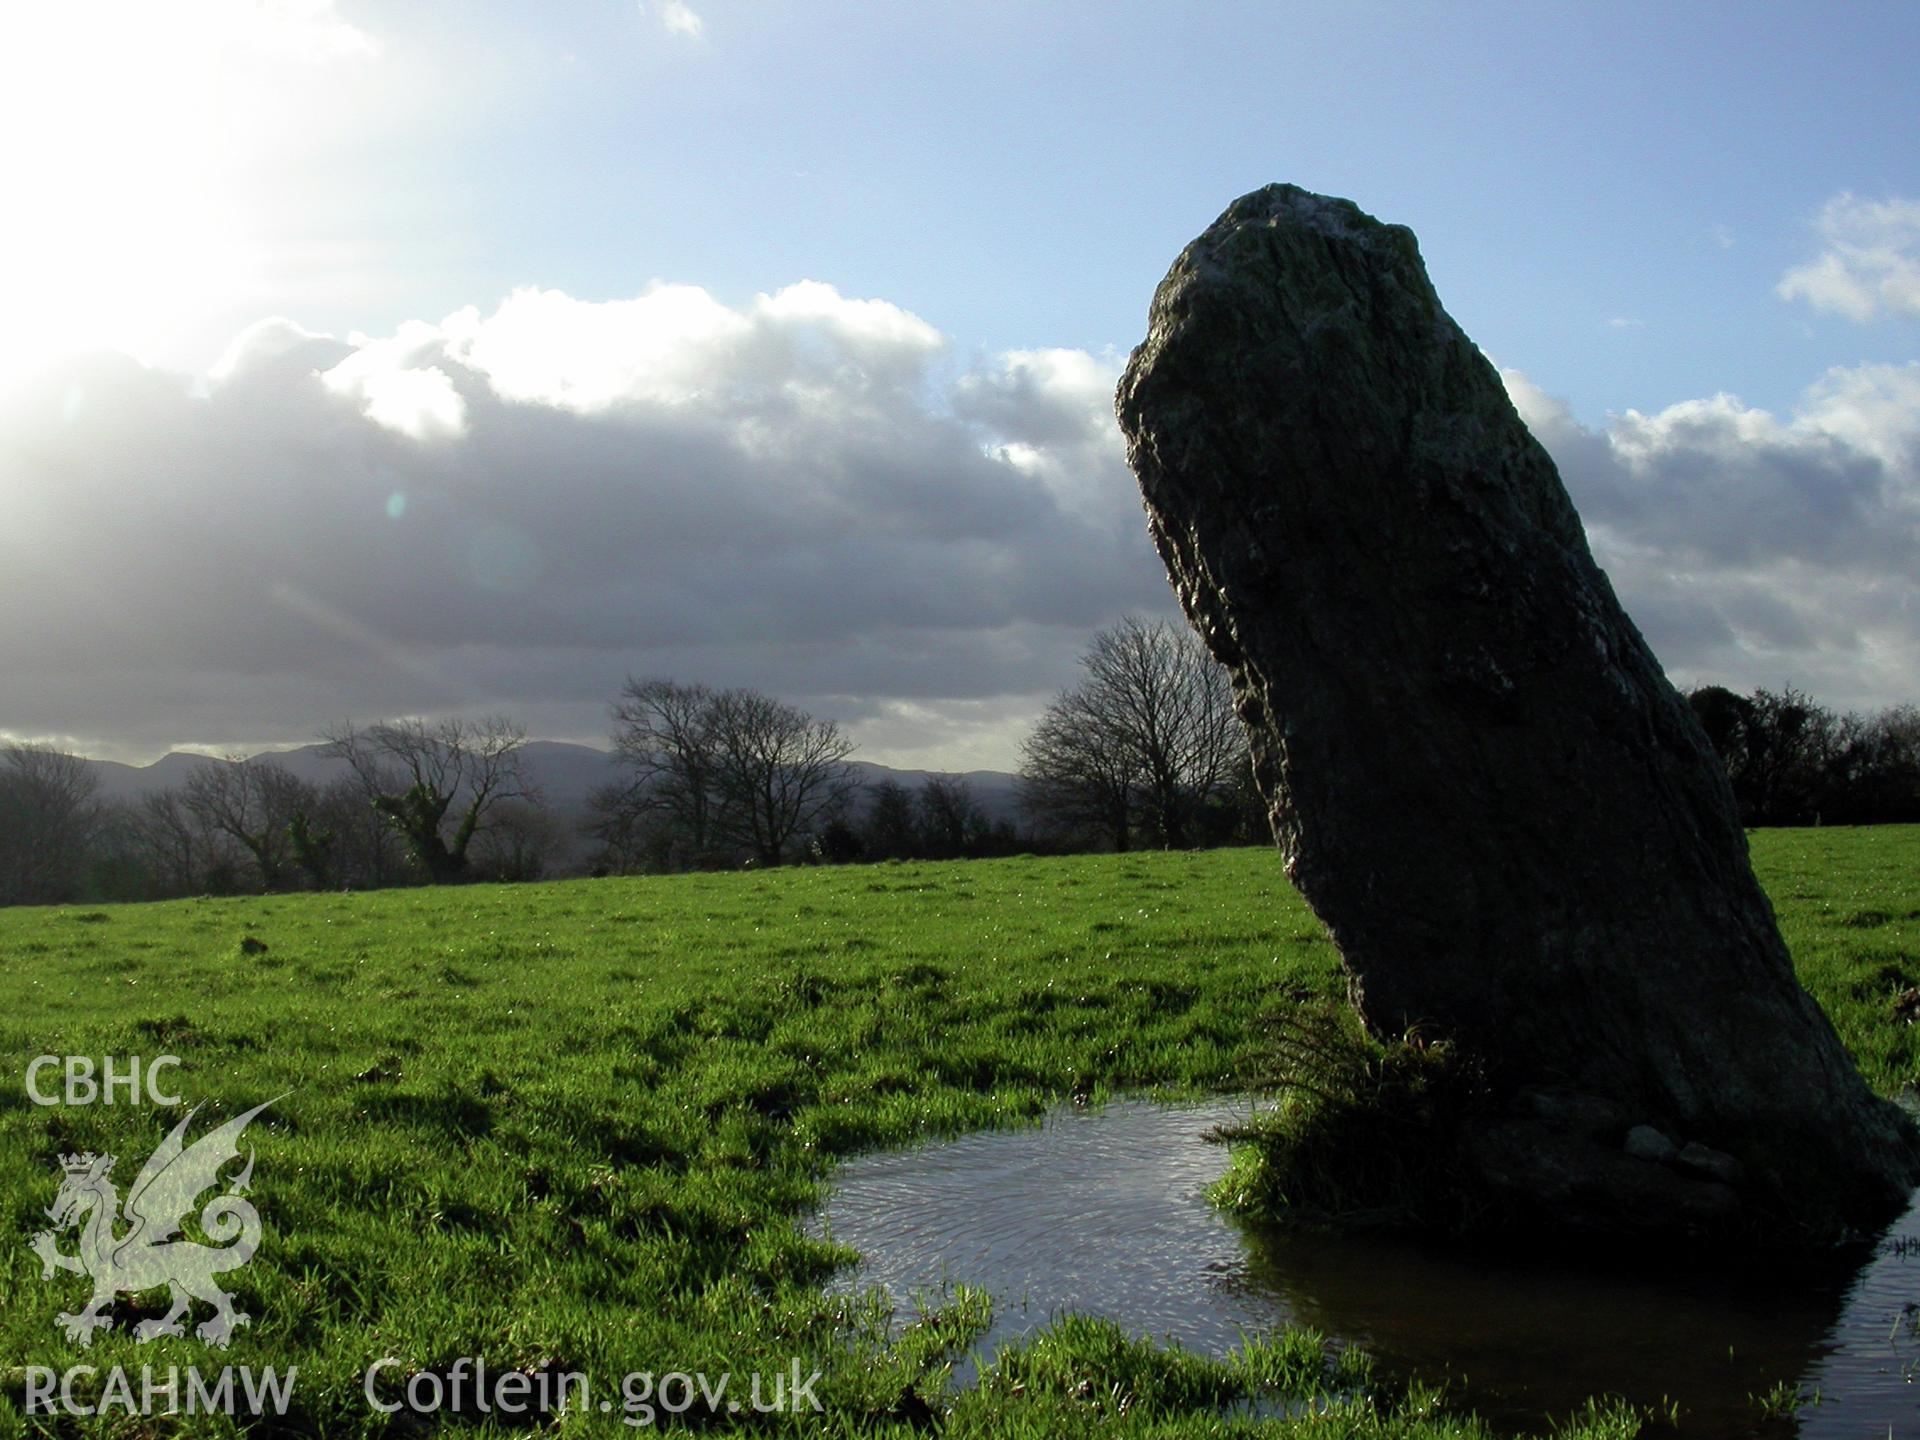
{"x":1479,"y":777}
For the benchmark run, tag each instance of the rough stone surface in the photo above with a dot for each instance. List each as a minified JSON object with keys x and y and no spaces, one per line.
{"x":1567,"y":1182}
{"x":1593,"y":1116}
{"x":1479,"y":776}
{"x":1698,"y":1160}
{"x":1643,"y":1142}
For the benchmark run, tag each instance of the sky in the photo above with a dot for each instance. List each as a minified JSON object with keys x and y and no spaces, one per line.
{"x":362,"y":358}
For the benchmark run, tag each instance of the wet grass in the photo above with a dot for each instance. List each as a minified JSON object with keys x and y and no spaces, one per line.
{"x":570,"y":1126}
{"x":1848,"y":902}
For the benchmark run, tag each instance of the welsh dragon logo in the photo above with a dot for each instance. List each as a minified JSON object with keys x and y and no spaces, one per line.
{"x":150,"y":1252}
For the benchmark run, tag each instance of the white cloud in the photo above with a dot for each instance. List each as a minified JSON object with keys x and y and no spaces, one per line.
{"x":312,"y":28}
{"x":276,"y":343}
{"x":677,"y":345}
{"x":1873,"y":408}
{"x":679,"y":19}
{"x":669,"y":346}
{"x":874,"y":330}
{"x":398,"y":386}
{"x":1871,"y":263}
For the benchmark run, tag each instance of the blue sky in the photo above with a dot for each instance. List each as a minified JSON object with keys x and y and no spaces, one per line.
{"x":1691,"y":235}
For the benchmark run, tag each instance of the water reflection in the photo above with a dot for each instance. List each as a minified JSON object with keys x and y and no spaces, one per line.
{"x":1105,"y":1212}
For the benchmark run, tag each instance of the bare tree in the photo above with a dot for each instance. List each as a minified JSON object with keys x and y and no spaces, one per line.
{"x":48,"y":820}
{"x":1792,"y":761}
{"x":949,"y":821}
{"x":628,"y":834}
{"x":1172,"y":705}
{"x":1891,"y":785}
{"x":727,"y":768}
{"x":519,"y":843}
{"x":174,"y":841}
{"x":664,"y":733}
{"x":366,"y":851}
{"x":1077,"y":772}
{"x":1147,"y":737}
{"x":117,"y":863}
{"x":436,"y":782}
{"x":891,"y":831}
{"x":781,"y":772}
{"x":254,"y":803}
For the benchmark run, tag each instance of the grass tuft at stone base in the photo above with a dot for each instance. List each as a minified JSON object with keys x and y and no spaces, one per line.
{"x":1366,"y":1135}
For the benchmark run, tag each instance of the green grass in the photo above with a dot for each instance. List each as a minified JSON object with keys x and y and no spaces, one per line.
{"x":1848,"y":902}
{"x":573,"y":1124}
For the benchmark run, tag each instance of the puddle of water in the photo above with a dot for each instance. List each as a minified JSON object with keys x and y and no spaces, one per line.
{"x":1105,"y":1212}
{"x":1102,"y":1212}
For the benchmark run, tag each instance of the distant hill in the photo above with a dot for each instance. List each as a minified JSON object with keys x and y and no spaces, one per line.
{"x":566,"y":774}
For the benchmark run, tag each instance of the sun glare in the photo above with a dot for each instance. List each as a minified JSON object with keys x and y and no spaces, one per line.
{"x":124,"y":124}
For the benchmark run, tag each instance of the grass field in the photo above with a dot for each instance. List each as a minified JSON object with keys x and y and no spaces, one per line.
{"x":570,"y":1126}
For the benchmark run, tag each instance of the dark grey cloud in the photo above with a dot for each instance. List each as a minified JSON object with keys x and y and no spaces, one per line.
{"x":515,"y":511}
{"x":1754,"y":550}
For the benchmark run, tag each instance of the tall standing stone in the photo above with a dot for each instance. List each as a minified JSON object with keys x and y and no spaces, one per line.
{"x":1479,"y":776}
